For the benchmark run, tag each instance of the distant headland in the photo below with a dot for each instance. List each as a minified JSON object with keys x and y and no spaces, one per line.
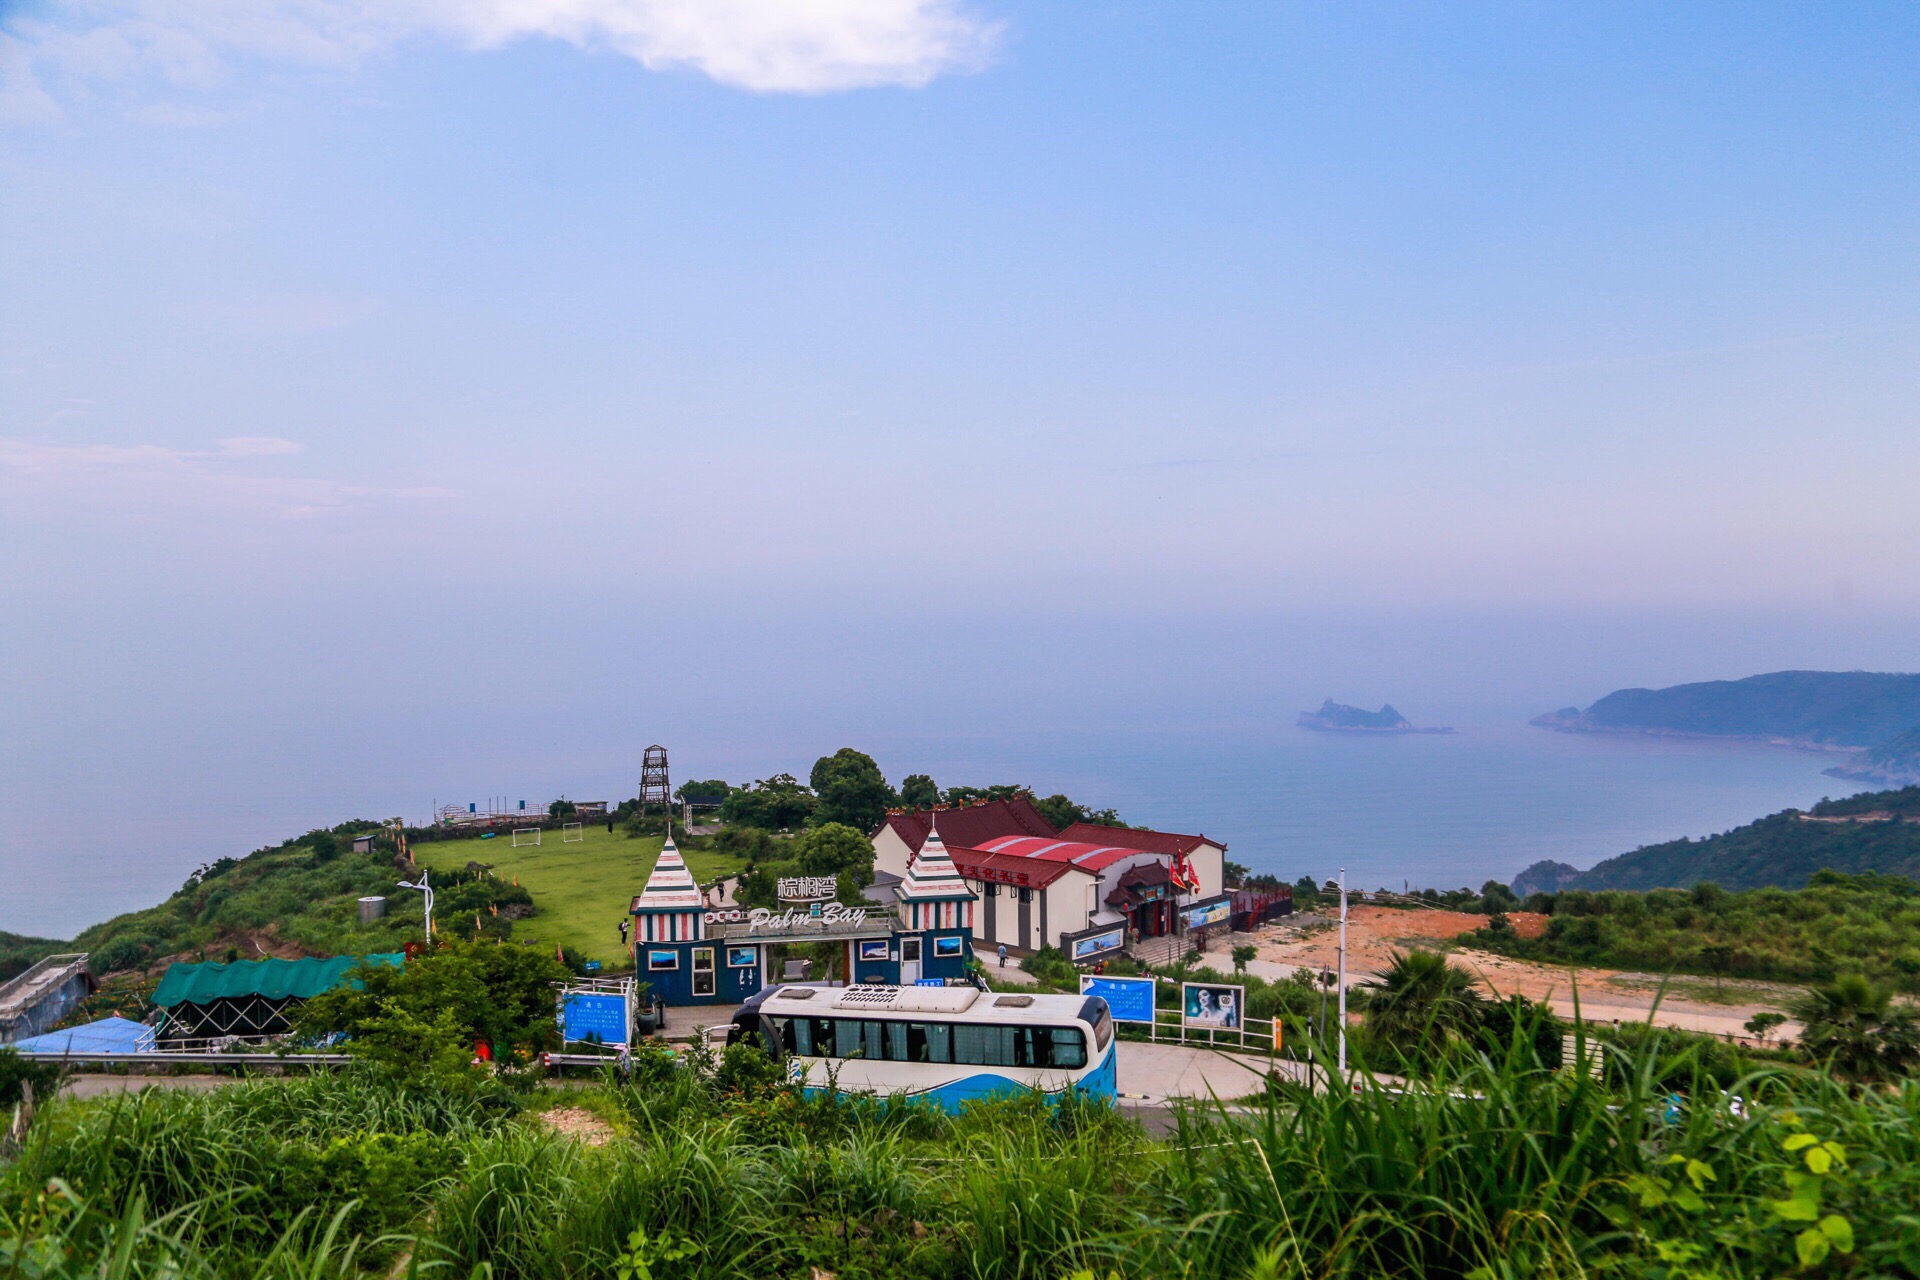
{"x":1334,"y":717}
{"x":1874,"y":714}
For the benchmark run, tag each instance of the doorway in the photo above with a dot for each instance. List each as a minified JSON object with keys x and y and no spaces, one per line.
{"x":909,"y":961}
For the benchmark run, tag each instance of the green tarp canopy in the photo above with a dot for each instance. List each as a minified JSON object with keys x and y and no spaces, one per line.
{"x":268,"y":979}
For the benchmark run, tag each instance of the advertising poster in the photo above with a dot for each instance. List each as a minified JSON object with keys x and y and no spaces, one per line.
{"x":948,"y":947}
{"x":1128,"y":999}
{"x":1209,"y":913}
{"x":742,"y":957}
{"x":1096,"y":945}
{"x":873,"y":949}
{"x":1205,"y":1005}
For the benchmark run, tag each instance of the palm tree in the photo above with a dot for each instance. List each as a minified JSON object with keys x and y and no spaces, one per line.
{"x":1854,"y":1026}
{"x":1420,"y":1003}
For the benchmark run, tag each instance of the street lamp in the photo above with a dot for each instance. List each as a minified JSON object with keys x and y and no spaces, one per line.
{"x":426,"y":889}
{"x":1343,"y":975}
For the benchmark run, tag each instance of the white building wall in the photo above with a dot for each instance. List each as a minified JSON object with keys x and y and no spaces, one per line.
{"x":890,"y":851}
{"x":1210,"y":865}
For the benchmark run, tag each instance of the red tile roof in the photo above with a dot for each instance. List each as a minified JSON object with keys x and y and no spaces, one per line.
{"x":1088,"y":857}
{"x":1137,"y":838}
{"x":969,"y":826}
{"x":1032,"y":873}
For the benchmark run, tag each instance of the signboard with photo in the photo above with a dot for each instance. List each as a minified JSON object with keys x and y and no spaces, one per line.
{"x":742,"y":957}
{"x":1128,"y":999}
{"x":1091,"y":946}
{"x":1201,"y":915}
{"x":1205,"y":1005}
{"x":948,"y":947}
{"x":873,"y":949}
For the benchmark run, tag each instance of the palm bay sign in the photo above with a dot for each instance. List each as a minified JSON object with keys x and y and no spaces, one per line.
{"x":832,"y":921}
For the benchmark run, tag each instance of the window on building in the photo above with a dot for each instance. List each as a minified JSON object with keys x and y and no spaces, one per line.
{"x":1026,"y":895}
{"x":993,"y":890}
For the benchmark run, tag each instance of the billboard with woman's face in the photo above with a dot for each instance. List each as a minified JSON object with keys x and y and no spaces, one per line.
{"x":1210,"y":1006}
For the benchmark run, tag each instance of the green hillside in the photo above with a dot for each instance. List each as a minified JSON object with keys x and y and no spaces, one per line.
{"x":18,"y":952}
{"x":299,"y":897}
{"x":1837,"y":924}
{"x":1783,"y":850}
{"x":1835,"y":708}
{"x":582,"y":889}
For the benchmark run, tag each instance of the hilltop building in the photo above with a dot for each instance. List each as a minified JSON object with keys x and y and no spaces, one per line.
{"x":1089,"y":890}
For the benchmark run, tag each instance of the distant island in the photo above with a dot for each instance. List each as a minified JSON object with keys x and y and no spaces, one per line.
{"x":1334,"y":717}
{"x":1872,"y":832}
{"x":1875,"y":714}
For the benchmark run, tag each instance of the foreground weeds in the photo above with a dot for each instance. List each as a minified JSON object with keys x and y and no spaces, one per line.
{"x":1492,"y":1169}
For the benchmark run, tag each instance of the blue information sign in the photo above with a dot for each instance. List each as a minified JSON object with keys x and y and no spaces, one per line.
{"x":1128,"y":999}
{"x":595,"y":1017}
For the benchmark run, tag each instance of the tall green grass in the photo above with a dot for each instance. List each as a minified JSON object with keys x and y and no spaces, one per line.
{"x":1493,"y":1168}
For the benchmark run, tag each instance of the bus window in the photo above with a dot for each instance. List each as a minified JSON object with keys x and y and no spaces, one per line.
{"x":846,"y":1038}
{"x":983,"y":1046}
{"x":1095,"y":1011}
{"x":1069,"y":1048}
{"x":898,"y":1034}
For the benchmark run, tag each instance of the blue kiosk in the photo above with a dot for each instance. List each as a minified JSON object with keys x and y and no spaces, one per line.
{"x":692,"y":954}
{"x":671,"y":950}
{"x":936,"y":919}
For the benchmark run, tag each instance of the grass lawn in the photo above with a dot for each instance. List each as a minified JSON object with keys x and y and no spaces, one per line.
{"x":580,"y":891}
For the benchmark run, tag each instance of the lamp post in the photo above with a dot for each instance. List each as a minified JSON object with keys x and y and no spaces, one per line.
{"x":427,"y":890}
{"x":1343,"y":976}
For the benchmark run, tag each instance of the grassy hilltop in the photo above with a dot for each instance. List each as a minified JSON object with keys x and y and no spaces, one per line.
{"x":580,"y":891}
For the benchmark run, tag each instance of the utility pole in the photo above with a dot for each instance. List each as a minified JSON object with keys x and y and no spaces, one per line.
{"x":1343,"y":977}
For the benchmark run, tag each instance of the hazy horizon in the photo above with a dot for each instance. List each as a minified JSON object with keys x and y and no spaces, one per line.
{"x":417,"y":401}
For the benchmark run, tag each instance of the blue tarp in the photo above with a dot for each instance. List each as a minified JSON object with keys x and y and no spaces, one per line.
{"x":109,"y":1035}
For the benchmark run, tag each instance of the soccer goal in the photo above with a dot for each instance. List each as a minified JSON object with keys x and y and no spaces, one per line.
{"x":525,"y":835}
{"x":570,"y":833}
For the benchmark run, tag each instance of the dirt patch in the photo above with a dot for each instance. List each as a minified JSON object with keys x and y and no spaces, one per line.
{"x":1374,"y":934}
{"x":579,"y":1124}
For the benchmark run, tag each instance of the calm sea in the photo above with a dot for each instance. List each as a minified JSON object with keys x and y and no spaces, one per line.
{"x":1445,"y":811}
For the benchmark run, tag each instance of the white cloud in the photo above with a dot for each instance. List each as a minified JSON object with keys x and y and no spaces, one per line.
{"x":199,"y":46}
{"x":156,"y":475}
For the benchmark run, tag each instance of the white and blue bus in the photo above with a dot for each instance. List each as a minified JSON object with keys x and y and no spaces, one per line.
{"x":947,"y":1045}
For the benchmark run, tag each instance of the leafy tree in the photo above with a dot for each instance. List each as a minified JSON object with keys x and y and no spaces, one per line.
{"x":851,"y":790}
{"x":1420,"y":1003}
{"x":1305,"y":893}
{"x":1853,"y":1024}
{"x":1063,"y":813}
{"x":834,"y":849}
{"x":1519,"y":1024}
{"x":1761,"y":1026}
{"x":562,"y":809}
{"x":714,"y":788}
{"x":1497,"y":898}
{"x":1242,"y":954}
{"x":918,"y":791}
{"x":423,"y":1018}
{"x":776,"y":804}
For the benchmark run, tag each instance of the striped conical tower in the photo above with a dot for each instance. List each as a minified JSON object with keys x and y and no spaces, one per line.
{"x":671,"y":906}
{"x":932,"y":894}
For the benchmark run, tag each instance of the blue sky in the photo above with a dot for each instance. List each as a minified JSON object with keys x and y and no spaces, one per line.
{"x":846,"y":361}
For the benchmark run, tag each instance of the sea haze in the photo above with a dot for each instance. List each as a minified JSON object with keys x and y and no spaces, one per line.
{"x":1445,"y":811}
